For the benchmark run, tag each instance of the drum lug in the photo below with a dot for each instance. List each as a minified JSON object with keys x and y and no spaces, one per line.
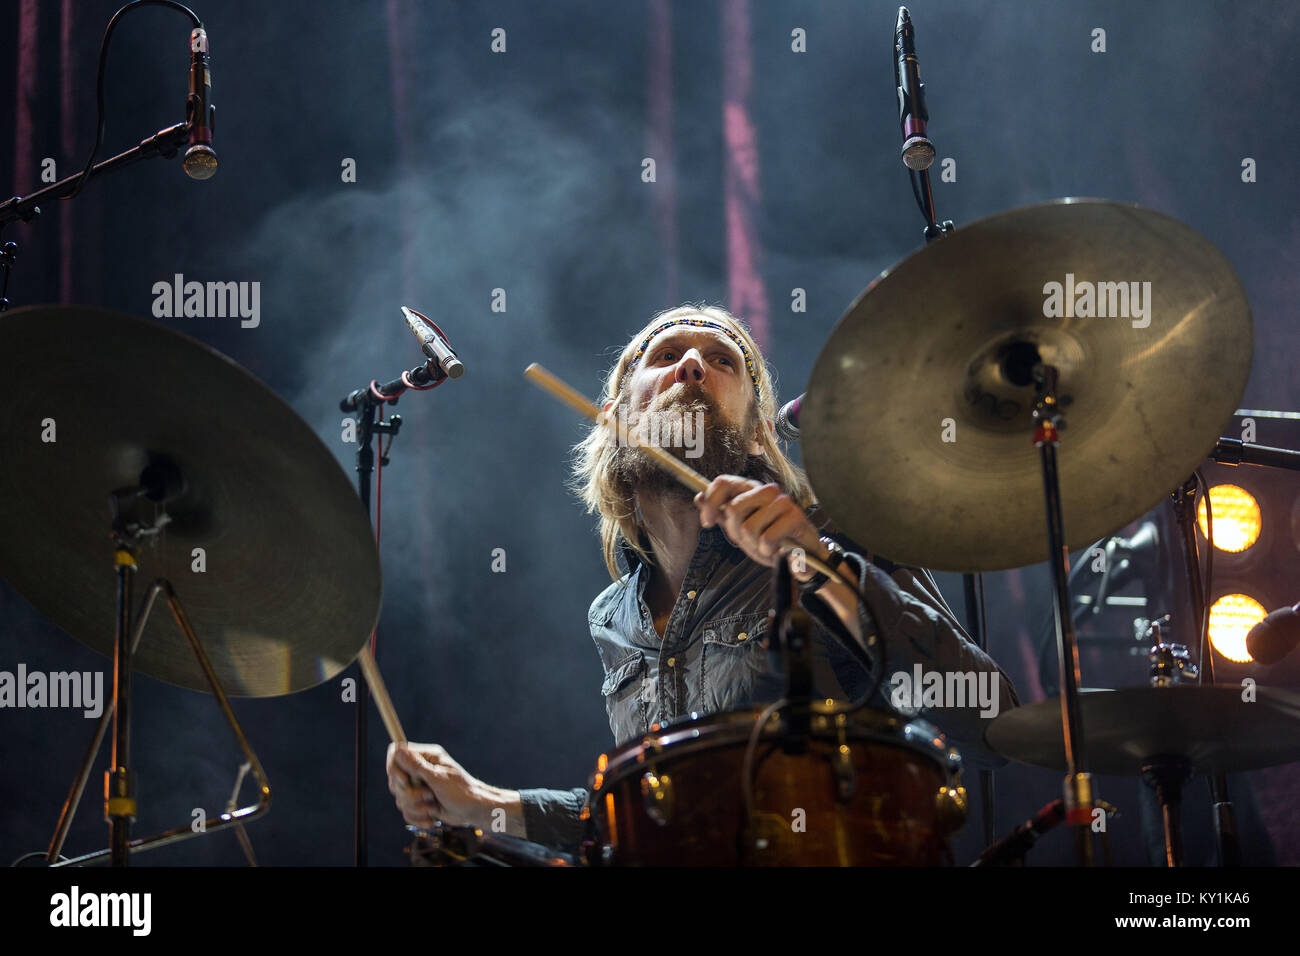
{"x":657,"y":792}
{"x":846,"y":778}
{"x":951,"y":804}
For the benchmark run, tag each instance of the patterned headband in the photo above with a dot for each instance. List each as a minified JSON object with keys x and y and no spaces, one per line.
{"x":708,"y":324}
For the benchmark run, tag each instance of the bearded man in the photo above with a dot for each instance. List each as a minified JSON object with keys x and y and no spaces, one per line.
{"x":679,"y":629}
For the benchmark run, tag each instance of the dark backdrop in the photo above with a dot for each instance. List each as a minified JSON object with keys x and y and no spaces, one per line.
{"x":522,"y":171}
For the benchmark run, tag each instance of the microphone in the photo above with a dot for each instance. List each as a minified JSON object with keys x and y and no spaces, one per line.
{"x":1022,"y":838}
{"x":918,"y":151}
{"x":433,"y":344}
{"x":200,"y":161}
{"x":1276,"y":636}
{"x":787,"y":419}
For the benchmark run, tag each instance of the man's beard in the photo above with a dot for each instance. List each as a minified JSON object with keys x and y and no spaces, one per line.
{"x":723,"y":448}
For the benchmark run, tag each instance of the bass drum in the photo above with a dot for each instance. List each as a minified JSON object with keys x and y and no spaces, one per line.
{"x":857,"y":788}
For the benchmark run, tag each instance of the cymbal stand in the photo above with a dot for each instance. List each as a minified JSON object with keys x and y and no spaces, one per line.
{"x":1079,"y":798}
{"x":130,"y":525}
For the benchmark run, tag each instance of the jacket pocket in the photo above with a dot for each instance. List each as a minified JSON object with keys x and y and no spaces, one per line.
{"x":736,"y":670}
{"x":624,"y":690}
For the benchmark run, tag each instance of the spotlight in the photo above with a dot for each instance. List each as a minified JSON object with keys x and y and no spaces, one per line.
{"x":1231,"y":618}
{"x":1236,"y":518}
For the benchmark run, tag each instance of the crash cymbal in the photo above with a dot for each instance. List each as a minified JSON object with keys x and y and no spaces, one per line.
{"x":286,"y":588}
{"x":917,"y":425}
{"x":1212,"y":727}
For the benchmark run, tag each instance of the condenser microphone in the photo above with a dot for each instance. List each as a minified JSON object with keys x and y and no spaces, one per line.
{"x":433,"y":344}
{"x":918,"y":151}
{"x":200,"y":160}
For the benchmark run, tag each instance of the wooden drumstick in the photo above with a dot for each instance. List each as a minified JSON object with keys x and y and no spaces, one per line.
{"x":685,"y":474}
{"x":385,"y":703}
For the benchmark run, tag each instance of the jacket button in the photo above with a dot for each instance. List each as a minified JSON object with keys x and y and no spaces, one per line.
{"x":672,"y":661}
{"x":691,"y":595}
{"x":742,"y":636}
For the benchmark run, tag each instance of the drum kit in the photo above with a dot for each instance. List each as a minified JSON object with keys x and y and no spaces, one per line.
{"x":934,"y":428}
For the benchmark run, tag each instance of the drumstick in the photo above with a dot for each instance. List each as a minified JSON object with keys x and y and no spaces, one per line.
{"x":685,"y":474}
{"x":380,"y":692}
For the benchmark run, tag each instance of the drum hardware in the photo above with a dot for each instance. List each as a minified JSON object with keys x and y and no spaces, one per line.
{"x":1168,"y":774}
{"x":656,"y":788}
{"x":1002,"y":372}
{"x":1165,"y":775}
{"x":1170,"y":663}
{"x":657,"y":792}
{"x":907,"y":797}
{"x":846,"y":778}
{"x":119,"y":783}
{"x":184,"y":485}
{"x":1011,"y":849}
{"x":1163,"y":734}
{"x":445,"y":845}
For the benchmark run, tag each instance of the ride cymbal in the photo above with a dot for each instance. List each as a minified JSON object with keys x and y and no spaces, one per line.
{"x":918,"y":428}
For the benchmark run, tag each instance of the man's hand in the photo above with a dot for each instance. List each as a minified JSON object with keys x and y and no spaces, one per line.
{"x":755,"y":517}
{"x":429,"y":786}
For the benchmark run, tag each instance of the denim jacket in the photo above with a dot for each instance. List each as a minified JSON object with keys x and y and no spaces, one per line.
{"x":711,"y":659}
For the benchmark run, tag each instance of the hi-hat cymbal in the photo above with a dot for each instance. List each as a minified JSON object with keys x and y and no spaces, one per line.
{"x":917,"y":426}
{"x":1212,"y":727}
{"x":286,"y":587}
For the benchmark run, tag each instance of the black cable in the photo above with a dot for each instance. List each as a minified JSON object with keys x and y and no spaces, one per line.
{"x":916,"y":191}
{"x":1209,"y":572}
{"x":747,"y":775}
{"x":99,"y":80}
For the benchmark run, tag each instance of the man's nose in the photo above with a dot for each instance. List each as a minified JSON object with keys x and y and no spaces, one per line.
{"x":690,"y":368}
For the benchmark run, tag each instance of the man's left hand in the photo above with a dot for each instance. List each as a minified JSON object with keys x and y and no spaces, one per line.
{"x":755,"y":517}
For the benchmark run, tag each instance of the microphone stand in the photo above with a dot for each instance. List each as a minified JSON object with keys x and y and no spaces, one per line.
{"x":1168,"y":776}
{"x":1227,"y":451}
{"x":793,"y":644}
{"x":972,"y":584}
{"x":164,"y":143}
{"x":365,"y":402}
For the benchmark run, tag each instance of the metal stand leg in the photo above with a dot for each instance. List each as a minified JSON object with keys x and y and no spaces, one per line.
{"x":184,"y":832}
{"x":119,"y":784}
{"x":1165,"y":775}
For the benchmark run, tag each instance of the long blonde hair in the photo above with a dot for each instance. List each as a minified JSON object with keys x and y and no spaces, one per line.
{"x":593,"y":479}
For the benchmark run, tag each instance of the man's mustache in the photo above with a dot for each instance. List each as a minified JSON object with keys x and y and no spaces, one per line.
{"x":684,"y":394}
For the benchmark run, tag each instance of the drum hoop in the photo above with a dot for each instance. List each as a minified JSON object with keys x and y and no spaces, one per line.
{"x":713,"y":731}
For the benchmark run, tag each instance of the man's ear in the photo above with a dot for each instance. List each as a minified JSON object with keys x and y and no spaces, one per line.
{"x":608,"y":403}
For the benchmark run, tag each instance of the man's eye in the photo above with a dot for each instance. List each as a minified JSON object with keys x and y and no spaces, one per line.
{"x":666,"y":354}
{"x":723,"y":358}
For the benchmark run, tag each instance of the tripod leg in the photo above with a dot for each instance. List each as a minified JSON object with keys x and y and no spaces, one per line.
{"x":97,"y":741}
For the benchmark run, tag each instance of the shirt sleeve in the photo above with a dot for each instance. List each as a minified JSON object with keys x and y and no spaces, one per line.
{"x":552,"y":817}
{"x":922,"y":630}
